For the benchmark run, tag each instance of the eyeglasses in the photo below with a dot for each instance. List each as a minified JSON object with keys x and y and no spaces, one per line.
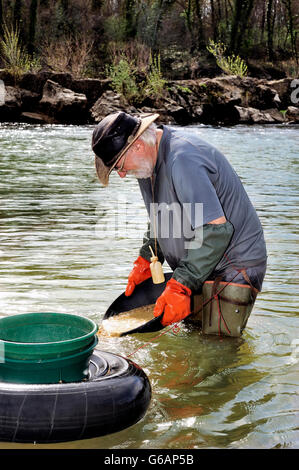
{"x":122,"y":165}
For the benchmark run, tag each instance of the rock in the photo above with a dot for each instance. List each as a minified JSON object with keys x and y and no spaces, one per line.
{"x":284,"y":90}
{"x":177,"y":112}
{"x":110,"y":102}
{"x":10,"y":103}
{"x":209,"y":101}
{"x":253,"y":116}
{"x":277,"y":115}
{"x":63,"y":104}
{"x":29,"y":99}
{"x":263,"y":97}
{"x":164,"y":117}
{"x":37,"y":118}
{"x":7,"y":78}
{"x":34,"y":82}
{"x":292,"y":114}
{"x":92,"y":88}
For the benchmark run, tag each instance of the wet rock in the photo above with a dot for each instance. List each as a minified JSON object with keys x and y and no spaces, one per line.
{"x":7,"y":78}
{"x":209,"y":101}
{"x":10,"y":103}
{"x":29,"y":99}
{"x":284,"y":90}
{"x":164,"y":117}
{"x":110,"y":102}
{"x":63,"y":104}
{"x":263,"y":97}
{"x":92,"y":88}
{"x":34,"y":82}
{"x":253,"y":116}
{"x":292,"y":114}
{"x":36,"y":118}
{"x":220,"y":100}
{"x":277,"y":115}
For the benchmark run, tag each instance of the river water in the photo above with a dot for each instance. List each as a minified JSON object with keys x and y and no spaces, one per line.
{"x":67,"y":245}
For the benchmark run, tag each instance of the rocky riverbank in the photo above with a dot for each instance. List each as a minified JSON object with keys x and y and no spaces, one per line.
{"x":52,"y":98}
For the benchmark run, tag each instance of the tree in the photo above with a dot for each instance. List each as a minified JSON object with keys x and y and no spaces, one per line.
{"x":162,"y":7}
{"x":1,"y":17}
{"x":32,"y":26}
{"x":241,"y":15}
{"x":130,"y":7}
{"x":289,"y":8}
{"x":17,"y":13}
{"x":270,"y":29}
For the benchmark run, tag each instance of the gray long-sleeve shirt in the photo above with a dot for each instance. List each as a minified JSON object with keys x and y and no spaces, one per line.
{"x":194,"y":184}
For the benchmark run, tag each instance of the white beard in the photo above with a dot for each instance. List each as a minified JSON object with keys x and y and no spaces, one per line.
{"x":145,"y":170}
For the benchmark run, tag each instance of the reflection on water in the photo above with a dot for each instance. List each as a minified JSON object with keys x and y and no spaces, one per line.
{"x":67,"y":245}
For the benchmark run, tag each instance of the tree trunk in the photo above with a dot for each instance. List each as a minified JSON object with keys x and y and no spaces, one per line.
{"x":235,"y":24}
{"x":130,"y":19}
{"x":17,"y":13}
{"x":1,"y":17}
{"x":32,"y":26}
{"x":289,"y":9}
{"x":270,"y":30}
{"x":189,"y":22}
{"x":241,"y":16}
{"x":263,"y":21}
{"x":200,"y":35}
{"x":214,"y":27}
{"x":163,"y":5}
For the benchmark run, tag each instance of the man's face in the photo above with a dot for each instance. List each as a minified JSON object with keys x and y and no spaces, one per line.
{"x":136,"y":161}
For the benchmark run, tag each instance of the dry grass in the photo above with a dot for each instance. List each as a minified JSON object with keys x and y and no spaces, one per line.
{"x":68,"y":55}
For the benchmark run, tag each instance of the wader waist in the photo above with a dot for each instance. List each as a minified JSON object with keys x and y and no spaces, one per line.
{"x":224,"y":306}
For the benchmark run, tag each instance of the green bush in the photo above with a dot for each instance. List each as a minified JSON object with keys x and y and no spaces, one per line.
{"x":123,"y":78}
{"x":15,"y":59}
{"x":155,"y":83}
{"x":233,"y":65}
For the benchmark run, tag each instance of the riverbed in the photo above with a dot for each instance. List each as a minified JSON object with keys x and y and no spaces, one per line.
{"x":67,"y":245}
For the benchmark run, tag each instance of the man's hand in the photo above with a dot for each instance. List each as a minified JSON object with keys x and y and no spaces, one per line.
{"x":174,"y":302}
{"x":140,"y":272}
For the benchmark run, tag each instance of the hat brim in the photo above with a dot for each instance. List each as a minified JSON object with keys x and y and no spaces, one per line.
{"x":104,"y":171}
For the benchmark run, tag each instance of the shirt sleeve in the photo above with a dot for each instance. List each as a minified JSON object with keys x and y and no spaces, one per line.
{"x":192,"y":182}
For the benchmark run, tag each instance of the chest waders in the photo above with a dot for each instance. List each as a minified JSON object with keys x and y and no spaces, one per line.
{"x":224,"y":307}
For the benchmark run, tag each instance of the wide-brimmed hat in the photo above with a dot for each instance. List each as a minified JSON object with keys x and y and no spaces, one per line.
{"x":113,"y":136}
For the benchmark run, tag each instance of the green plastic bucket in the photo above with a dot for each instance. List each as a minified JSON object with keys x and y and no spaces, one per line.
{"x":45,"y":347}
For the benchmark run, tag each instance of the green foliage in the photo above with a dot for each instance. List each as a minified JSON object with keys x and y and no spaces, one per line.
{"x":232,"y":64}
{"x":184,"y":89}
{"x":123,"y":78}
{"x":15,"y":59}
{"x":123,"y":75}
{"x":155,"y":82}
{"x":115,"y":28}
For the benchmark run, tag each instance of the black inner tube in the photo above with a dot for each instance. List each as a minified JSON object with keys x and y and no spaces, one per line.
{"x":100,"y":405}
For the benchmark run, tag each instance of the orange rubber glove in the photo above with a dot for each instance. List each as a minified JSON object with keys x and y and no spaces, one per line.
{"x":140,"y":272}
{"x":174,"y":302}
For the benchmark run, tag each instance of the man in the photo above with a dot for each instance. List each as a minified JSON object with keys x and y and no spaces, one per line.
{"x":178,"y":170}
